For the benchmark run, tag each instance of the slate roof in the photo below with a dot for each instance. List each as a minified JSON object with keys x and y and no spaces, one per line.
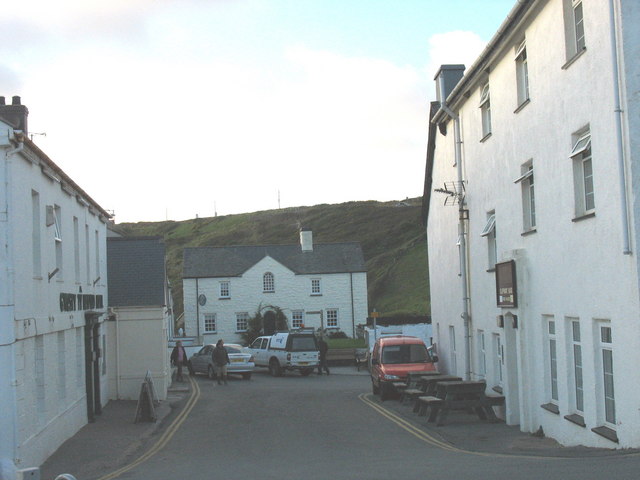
{"x":136,"y":271}
{"x":207,"y":262}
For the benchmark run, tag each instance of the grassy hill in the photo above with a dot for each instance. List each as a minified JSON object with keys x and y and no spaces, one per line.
{"x":391,"y":235}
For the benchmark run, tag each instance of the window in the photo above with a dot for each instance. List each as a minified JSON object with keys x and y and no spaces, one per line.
{"x":332,"y":318}
{"x":62,"y":371}
{"x":576,"y":349}
{"x":209,"y":323}
{"x":522,"y":73}
{"x":485,"y":110}
{"x":528,"y":197}
{"x":35,"y":234}
{"x":76,"y":248}
{"x":553,"y":360}
{"x":87,"y":254}
{"x":498,"y":357}
{"x":574,"y":28}
{"x":489,"y":231}
{"x":583,"y":175}
{"x":97,"y":240}
{"x":315,"y":286}
{"x":606,"y":349}
{"x":268,"y":283}
{"x":224,"y":290}
{"x":297,"y":318}
{"x":58,"y":239}
{"x":452,"y":350}
{"x":242,"y":321}
{"x":482,"y":355}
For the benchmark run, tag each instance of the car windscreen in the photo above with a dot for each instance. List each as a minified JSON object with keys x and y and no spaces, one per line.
{"x":408,"y":353}
{"x":303,"y":343}
{"x":232,"y":349}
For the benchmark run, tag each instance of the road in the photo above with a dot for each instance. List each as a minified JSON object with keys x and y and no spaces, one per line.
{"x":323,"y":427}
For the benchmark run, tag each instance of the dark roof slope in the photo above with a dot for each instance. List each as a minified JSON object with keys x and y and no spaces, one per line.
{"x":136,"y":271}
{"x":204,"y":262}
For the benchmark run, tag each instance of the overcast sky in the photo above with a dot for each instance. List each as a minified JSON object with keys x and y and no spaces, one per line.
{"x":163,"y":109}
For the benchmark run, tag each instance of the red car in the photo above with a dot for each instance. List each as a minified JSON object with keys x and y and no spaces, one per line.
{"x":394,"y":357}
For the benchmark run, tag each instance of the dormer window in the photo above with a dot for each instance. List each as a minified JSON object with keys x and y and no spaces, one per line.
{"x":268,"y":283}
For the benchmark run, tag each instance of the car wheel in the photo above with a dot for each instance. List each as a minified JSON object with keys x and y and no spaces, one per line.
{"x":374,"y":388}
{"x":210,"y":373}
{"x":246,"y":376}
{"x":274,"y":368}
{"x":306,"y":372}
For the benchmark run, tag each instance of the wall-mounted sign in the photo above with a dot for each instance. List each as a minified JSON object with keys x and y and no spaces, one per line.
{"x":202,"y":299}
{"x":506,"y":287}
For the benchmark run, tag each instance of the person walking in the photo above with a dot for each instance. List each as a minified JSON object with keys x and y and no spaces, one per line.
{"x":323,"y":348}
{"x":179,"y":359}
{"x":220,"y":358}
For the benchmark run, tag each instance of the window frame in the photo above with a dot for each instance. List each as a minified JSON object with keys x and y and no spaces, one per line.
{"x":605,"y":347}
{"x":584,"y":188}
{"x":210,"y":319}
{"x":485,"y":110}
{"x":316,"y":286}
{"x":489,"y":231}
{"x":577,"y":361}
{"x":331,"y":316}
{"x":297,"y":318}
{"x":522,"y":74}
{"x":268,"y":283}
{"x":526,"y":180}
{"x":225,"y":287}
{"x":552,"y":359}
{"x":242,"y":318}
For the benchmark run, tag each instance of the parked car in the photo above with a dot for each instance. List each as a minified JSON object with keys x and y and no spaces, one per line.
{"x":286,"y":351}
{"x":241,"y":362}
{"x":392,"y":359}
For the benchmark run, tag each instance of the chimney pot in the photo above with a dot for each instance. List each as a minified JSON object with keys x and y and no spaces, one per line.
{"x":15,"y":100}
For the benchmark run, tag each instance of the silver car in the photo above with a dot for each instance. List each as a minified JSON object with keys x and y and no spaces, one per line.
{"x":241,"y":362}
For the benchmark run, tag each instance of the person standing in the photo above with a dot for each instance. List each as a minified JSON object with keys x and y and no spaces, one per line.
{"x":220,"y":359}
{"x":179,"y":359}
{"x":323,"y":348}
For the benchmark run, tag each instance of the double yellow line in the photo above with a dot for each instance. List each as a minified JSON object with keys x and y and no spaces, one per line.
{"x":166,"y":436}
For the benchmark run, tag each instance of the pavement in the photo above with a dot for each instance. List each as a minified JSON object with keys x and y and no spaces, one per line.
{"x":114,"y":440}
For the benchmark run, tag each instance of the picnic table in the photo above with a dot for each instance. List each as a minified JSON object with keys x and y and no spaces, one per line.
{"x":461,"y":395}
{"x":409,"y":389}
{"x":427,"y":387}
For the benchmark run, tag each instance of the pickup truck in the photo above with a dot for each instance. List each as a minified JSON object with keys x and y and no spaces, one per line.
{"x":286,"y":351}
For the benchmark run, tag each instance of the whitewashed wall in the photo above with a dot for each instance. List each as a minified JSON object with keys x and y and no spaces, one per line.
{"x":292,"y":292}
{"x":43,"y":348}
{"x":566,"y":269}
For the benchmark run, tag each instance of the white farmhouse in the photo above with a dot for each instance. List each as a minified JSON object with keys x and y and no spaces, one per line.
{"x":531,"y":202}
{"x":53,"y":293}
{"x":320,"y":286}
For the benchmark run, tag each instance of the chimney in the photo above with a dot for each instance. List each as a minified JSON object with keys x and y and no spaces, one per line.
{"x":15,"y":114}
{"x":306,"y":239}
{"x":446,"y":79}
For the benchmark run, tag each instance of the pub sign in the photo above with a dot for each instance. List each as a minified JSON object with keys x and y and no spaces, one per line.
{"x":506,"y":287}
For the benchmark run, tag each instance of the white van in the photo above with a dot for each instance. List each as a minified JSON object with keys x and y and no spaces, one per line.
{"x":286,"y":351}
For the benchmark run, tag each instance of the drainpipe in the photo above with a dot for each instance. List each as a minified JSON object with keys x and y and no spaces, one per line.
{"x":197,"y":311}
{"x":353,"y":317}
{"x":626,"y":249}
{"x":461,"y":234}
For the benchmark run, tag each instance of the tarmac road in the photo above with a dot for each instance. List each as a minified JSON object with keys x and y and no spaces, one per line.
{"x":331,"y":427}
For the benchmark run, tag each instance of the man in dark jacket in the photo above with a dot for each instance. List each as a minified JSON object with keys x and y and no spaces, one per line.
{"x":220,"y":359}
{"x":179,"y":358}
{"x":323,"y":348}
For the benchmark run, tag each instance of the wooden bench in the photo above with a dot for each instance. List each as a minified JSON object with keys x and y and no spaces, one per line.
{"x":341,"y":356}
{"x":427,"y":385}
{"x":413,"y":387}
{"x":461,"y":395}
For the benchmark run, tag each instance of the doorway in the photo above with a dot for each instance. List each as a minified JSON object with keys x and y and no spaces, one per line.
{"x":269,"y":323}
{"x":512,"y":373}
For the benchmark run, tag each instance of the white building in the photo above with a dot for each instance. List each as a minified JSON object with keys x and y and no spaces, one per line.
{"x":554,"y":96}
{"x":319,"y":286}
{"x":140,"y":316}
{"x":52,"y":297}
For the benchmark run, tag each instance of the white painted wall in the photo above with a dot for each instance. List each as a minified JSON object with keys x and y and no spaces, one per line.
{"x":41,"y":347}
{"x":292,"y":292}
{"x":139,"y":343}
{"x":566,"y":269}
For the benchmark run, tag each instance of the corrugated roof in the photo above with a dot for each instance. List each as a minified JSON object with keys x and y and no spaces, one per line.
{"x":205,"y":262}
{"x":136,"y":271}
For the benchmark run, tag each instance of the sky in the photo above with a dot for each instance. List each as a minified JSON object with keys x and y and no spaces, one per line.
{"x":172,"y":109}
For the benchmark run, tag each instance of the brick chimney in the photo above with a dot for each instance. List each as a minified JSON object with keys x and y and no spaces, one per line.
{"x":15,"y":114}
{"x":306,"y":239}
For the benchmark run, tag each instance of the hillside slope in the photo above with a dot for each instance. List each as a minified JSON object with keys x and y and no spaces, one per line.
{"x":391,"y":235}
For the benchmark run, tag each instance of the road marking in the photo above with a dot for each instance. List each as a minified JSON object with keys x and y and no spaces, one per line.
{"x":425,"y":437}
{"x":166,"y":436}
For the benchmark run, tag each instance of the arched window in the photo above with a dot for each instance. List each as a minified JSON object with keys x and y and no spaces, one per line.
{"x":267,"y":282}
